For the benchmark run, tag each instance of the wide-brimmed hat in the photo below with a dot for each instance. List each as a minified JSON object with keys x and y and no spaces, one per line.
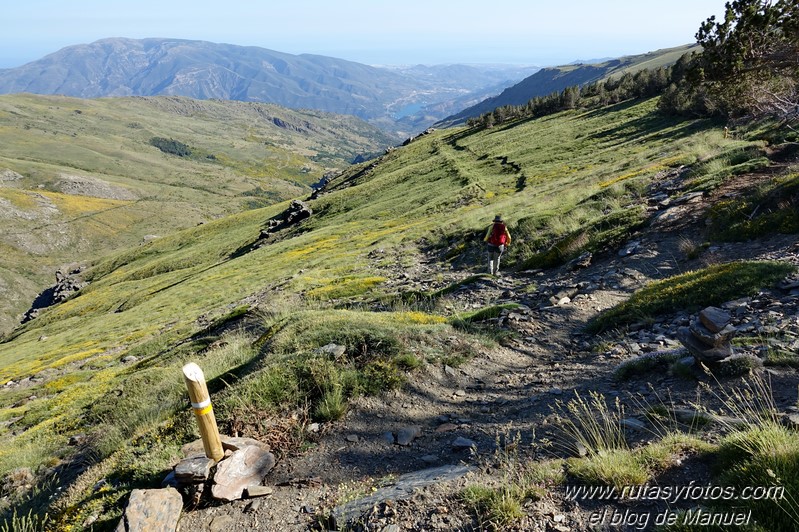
{"x":497,"y":218}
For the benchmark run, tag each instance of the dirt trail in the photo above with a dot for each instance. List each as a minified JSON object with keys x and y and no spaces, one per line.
{"x":507,"y":390}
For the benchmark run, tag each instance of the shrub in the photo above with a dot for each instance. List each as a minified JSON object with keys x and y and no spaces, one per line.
{"x":171,"y":146}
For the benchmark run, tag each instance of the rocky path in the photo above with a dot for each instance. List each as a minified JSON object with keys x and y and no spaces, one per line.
{"x":456,"y":416}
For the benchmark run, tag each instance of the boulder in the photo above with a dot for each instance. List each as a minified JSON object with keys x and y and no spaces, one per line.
{"x":245,"y":467}
{"x":152,"y":510}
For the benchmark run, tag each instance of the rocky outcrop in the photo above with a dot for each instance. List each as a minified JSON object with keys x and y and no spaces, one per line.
{"x":66,"y":284}
{"x":296,"y":212}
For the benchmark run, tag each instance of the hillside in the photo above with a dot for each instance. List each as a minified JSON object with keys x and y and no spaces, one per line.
{"x":79,"y":178}
{"x":555,"y":79}
{"x":334,"y":339}
{"x":204,"y":70}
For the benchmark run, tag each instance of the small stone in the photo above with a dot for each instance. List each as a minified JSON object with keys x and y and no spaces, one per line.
{"x":632,"y":423}
{"x":446,"y":427}
{"x":313,"y":427}
{"x":556,"y":391}
{"x":450,"y":371}
{"x":699,"y":349}
{"x":129,"y":359}
{"x":406,"y":435}
{"x":460,"y":393}
{"x":711,"y":339}
{"x":221,"y":523}
{"x":352,"y":438}
{"x":580,"y":449}
{"x":253,"y":507}
{"x":333,"y":350}
{"x":429,"y":459}
{"x":388,"y":437}
{"x":462,"y":443}
{"x":258,"y":491}
{"x":714,"y":318}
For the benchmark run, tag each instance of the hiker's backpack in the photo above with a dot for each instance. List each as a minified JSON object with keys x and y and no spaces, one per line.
{"x":498,"y":236}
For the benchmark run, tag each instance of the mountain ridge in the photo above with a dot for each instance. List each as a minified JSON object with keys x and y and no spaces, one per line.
{"x":206,"y":70}
{"x":555,"y":79}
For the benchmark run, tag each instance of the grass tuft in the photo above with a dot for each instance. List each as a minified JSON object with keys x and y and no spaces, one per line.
{"x":693,"y":290}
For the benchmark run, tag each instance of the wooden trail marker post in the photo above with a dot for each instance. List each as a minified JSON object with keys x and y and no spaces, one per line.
{"x":201,"y":404}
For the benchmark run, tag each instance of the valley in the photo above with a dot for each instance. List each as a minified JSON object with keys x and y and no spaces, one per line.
{"x":328,"y":275}
{"x":390,"y":266}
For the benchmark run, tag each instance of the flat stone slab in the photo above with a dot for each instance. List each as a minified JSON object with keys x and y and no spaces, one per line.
{"x":236,"y":444}
{"x":152,"y":510}
{"x":460,"y":443}
{"x":710,"y":338}
{"x":402,"y":488}
{"x":246,"y":467}
{"x":714,"y":318}
{"x":229,"y":443}
{"x":194,"y":470}
{"x":701,"y":351}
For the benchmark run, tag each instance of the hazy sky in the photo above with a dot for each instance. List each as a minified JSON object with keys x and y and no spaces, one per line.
{"x":368,"y":31}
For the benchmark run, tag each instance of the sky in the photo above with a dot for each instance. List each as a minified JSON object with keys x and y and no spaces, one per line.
{"x":375,"y":32}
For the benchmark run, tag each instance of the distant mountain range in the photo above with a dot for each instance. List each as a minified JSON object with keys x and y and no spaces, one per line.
{"x":555,"y":79}
{"x":399,"y":100}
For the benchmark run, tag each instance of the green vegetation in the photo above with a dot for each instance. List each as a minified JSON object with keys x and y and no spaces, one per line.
{"x":772,"y":208}
{"x":257,"y":314}
{"x":693,"y":290}
{"x":646,"y":364}
{"x":96,"y":176}
{"x":171,"y":146}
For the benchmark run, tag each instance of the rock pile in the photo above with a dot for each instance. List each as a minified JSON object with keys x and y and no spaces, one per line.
{"x":295,"y":213}
{"x":708,"y":336}
{"x":241,"y":472}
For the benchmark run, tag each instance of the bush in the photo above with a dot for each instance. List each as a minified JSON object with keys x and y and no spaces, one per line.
{"x":171,"y":146}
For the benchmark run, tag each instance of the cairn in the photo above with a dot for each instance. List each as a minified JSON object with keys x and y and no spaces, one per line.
{"x":709,"y":335}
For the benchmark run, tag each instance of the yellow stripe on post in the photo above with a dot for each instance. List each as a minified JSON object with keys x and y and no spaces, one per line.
{"x":203,"y":411}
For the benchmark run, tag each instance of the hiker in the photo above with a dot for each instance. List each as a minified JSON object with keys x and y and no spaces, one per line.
{"x":496,"y":239}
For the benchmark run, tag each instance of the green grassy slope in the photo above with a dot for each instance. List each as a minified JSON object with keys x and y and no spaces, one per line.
{"x":548,"y":177}
{"x":555,"y":79}
{"x":82,"y":178}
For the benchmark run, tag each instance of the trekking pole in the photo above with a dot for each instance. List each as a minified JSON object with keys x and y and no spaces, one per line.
{"x":201,"y":404}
